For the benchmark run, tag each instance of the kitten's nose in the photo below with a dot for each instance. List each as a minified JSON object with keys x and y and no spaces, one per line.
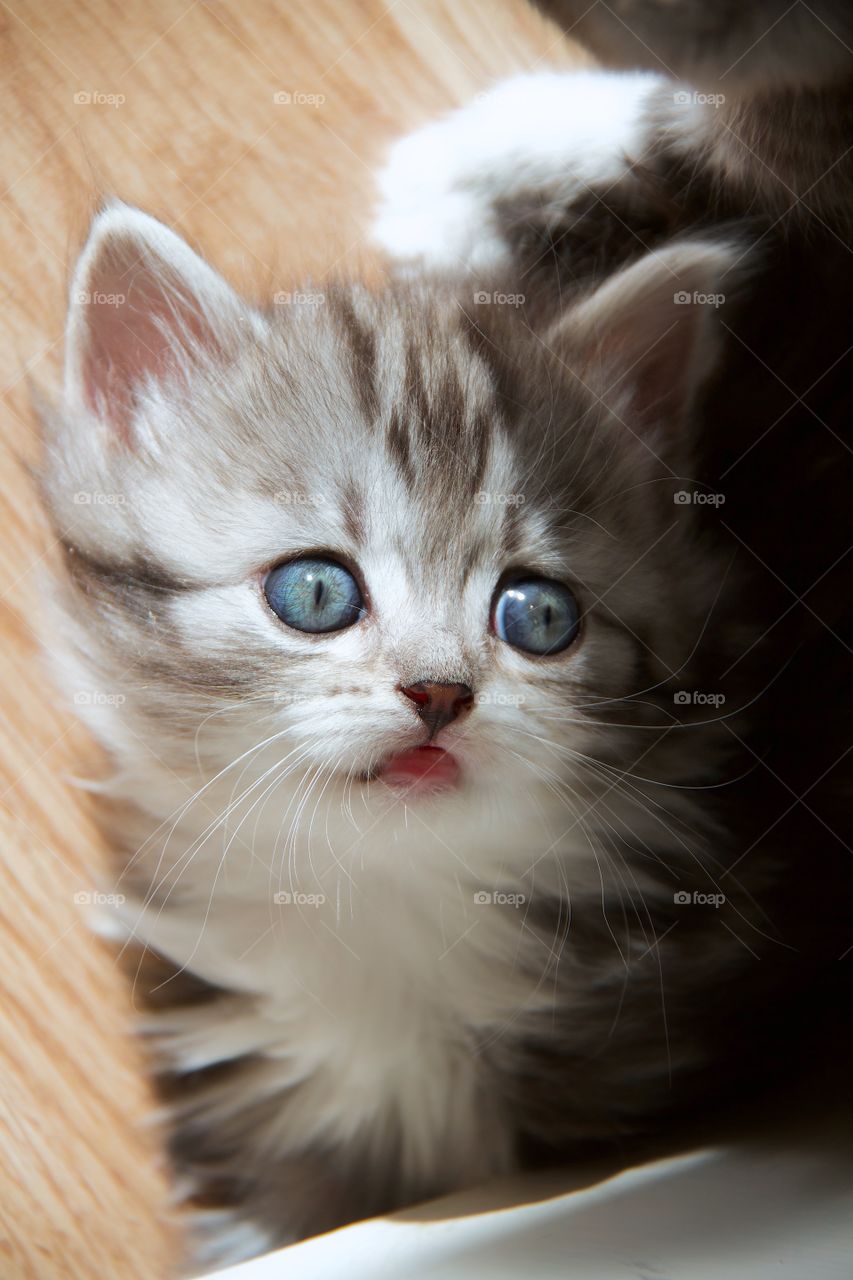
{"x":438,"y":704}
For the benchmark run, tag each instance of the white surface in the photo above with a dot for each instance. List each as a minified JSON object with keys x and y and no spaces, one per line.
{"x":712,"y":1215}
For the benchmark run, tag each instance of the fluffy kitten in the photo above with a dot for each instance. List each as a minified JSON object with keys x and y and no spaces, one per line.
{"x":363,"y":989}
{"x":459,"y":795}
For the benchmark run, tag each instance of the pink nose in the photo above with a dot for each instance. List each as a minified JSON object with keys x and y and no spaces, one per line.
{"x":439,"y":704}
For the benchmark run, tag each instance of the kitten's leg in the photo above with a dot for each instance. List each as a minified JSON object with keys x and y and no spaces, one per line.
{"x":544,"y":140}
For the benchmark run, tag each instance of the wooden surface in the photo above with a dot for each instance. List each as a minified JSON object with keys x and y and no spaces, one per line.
{"x":171,"y":106}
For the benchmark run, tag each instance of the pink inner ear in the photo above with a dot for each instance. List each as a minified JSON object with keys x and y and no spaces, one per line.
{"x":647,"y":333}
{"x":139,"y":320}
{"x":658,"y":360}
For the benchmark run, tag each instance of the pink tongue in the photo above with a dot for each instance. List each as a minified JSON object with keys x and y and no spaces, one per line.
{"x":424,"y":769}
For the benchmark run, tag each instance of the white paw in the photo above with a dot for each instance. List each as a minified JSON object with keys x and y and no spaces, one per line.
{"x":548,"y":132}
{"x":432,"y":207}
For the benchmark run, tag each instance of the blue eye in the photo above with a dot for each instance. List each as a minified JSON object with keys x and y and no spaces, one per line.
{"x":537,"y":615}
{"x":314,"y":594}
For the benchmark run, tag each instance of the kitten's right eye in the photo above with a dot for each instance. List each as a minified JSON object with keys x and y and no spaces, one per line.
{"x":314,"y":594}
{"x":536,"y":615}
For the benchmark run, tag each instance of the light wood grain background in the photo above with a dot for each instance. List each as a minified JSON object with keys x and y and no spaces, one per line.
{"x":171,"y":106}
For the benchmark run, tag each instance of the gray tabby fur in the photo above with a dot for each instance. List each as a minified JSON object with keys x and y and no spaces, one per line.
{"x":381,"y":1034}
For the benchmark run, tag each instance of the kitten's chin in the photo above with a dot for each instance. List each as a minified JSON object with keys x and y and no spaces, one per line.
{"x":420,"y":771}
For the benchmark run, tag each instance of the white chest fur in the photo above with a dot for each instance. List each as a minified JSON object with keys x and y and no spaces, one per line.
{"x":378,"y":957}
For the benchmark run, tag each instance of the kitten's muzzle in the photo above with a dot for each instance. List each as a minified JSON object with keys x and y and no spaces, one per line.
{"x":439,"y":704}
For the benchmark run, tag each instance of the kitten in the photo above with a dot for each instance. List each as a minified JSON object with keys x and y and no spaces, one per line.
{"x":403,"y":634}
{"x":452,"y":738}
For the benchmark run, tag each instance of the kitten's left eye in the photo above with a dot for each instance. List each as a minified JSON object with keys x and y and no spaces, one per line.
{"x":536,"y":615}
{"x":314,"y":594}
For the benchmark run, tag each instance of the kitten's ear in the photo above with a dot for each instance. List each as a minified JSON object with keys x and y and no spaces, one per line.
{"x":143,"y":306}
{"x":646,"y":339}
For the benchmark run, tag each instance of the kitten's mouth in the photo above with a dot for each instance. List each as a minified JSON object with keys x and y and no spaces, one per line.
{"x":420,"y":771}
